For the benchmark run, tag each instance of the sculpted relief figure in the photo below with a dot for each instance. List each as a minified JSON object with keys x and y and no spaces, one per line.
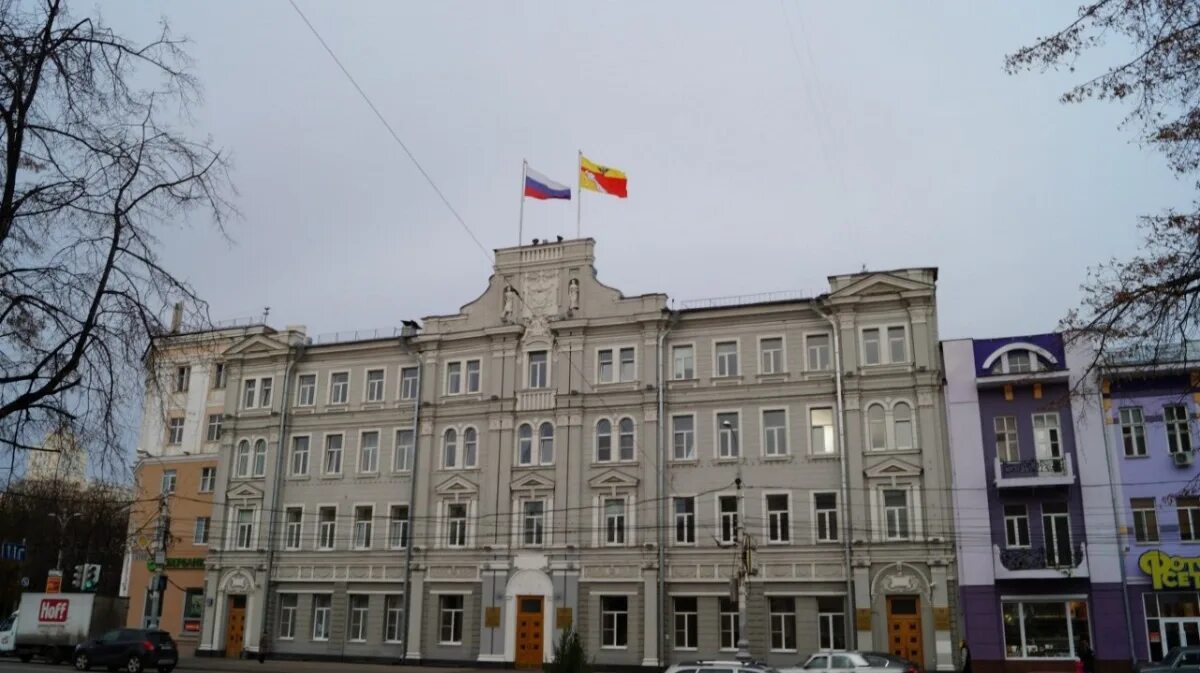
{"x":573,"y":294}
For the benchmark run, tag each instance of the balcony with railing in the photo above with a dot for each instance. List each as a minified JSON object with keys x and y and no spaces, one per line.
{"x":1039,"y":563}
{"x":536,"y":399}
{"x":1034,"y":472}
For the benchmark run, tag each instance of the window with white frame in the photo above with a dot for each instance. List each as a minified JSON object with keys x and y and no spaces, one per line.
{"x":683,"y":434}
{"x":260,"y":458}
{"x":450,"y":448}
{"x":727,"y":519}
{"x":456,"y":524}
{"x":474,"y":375}
{"x":775,"y":441}
{"x":398,"y":526}
{"x":218,"y":377}
{"x":402,"y":454}
{"x":683,"y":359}
{"x":770,"y":355}
{"x":727,"y":435}
{"x":876,"y":428}
{"x":897,"y":345}
{"x":831,"y":623}
{"x":333,"y":454}
{"x":539,"y":365}
{"x":183,"y":376}
{"x":616,"y":364}
{"x":604,"y":366}
{"x":243,"y":528}
{"x":322,"y":612}
{"x":1145,"y":520}
{"x":1133,"y":431}
{"x":871,"y":351}
{"x":368,"y":452}
{"x":628,"y":364}
{"x":1044,"y":629}
{"x":895,"y":514}
{"x":393,"y":608}
{"x":375,"y":385}
{"x":546,"y":444}
{"x":779,"y":528}
{"x":1056,"y":532}
{"x":450,"y":610}
{"x":604,"y":452}
{"x":169,"y":479}
{"x":265,"y":387}
{"x":614,"y":622}
{"x":249,"y":393}
{"x":1188,"y":510}
{"x":1019,"y":362}
{"x":687,"y":627}
{"x":175,"y":430}
{"x":1007,"y":448}
{"x":287,"y":616}
{"x":727,"y":358}
{"x":364,"y":523}
{"x":409,"y":378}
{"x":729,"y":624}
{"x":326,"y":528}
{"x":525,"y":444}
{"x":214,"y":427}
{"x":470,"y":447}
{"x":826,"y":513}
{"x":1179,"y":434}
{"x":782,"y":611}
{"x":533,"y":522}
{"x":339,"y":387}
{"x":819,"y":352}
{"x":685,"y":520}
{"x":1016,"y":526}
{"x":453,"y":378}
{"x":614,"y":522}
{"x":1047,"y":441}
{"x":902,"y":426}
{"x":625,"y":439}
{"x":293,"y":518}
{"x":242,"y":459}
{"x":359,"y":605}
{"x":820,"y":428}
{"x":306,"y":390}
{"x":201,"y":529}
{"x":208,"y":479}
{"x":299,"y":461}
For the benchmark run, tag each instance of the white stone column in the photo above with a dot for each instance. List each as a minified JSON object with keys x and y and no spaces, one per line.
{"x":865,"y":640}
{"x":416,"y":596}
{"x":943,"y":644}
{"x":650,"y":618}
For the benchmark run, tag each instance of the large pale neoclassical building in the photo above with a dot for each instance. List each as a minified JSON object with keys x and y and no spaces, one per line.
{"x":557,"y":454}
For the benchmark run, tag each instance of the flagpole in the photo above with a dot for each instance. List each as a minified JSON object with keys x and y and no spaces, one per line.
{"x":579,"y":191}
{"x":521,"y":224}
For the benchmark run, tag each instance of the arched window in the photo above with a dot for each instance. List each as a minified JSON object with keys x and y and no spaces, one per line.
{"x":470,"y":447}
{"x":525,"y":444}
{"x":604,"y":441}
{"x":625,"y":430}
{"x":450,"y":448}
{"x":546,"y":444}
{"x":243,"y":459}
{"x":902,"y":422}
{"x":260,"y":458}
{"x":876,"y":428}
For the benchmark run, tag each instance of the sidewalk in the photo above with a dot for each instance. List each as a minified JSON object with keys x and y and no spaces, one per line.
{"x":283,"y":666}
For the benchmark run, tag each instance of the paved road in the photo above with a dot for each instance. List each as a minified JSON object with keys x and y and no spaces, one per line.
{"x":8,"y":665}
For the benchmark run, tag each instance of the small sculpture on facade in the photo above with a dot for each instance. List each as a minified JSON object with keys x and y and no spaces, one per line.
{"x":508,"y":303}
{"x":573,"y":294}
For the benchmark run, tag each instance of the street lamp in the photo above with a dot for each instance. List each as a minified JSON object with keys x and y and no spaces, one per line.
{"x":62,"y":533}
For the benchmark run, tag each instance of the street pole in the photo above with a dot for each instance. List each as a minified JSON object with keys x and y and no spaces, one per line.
{"x":743,"y":547}
{"x":160,"y":561}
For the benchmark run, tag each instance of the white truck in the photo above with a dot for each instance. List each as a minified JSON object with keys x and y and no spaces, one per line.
{"x":51,"y":625}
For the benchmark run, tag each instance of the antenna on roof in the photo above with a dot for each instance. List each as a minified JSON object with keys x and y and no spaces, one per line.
{"x":266,"y":314}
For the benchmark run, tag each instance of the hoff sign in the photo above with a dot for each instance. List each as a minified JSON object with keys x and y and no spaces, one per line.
{"x":1171,"y":572}
{"x":53,"y":611}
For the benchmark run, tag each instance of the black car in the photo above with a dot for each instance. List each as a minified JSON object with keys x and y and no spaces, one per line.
{"x":131,"y":650}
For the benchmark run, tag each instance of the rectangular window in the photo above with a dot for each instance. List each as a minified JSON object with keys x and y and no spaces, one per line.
{"x":683,"y":432}
{"x":1145,"y":520}
{"x":322,"y":611}
{"x":450,"y":608}
{"x":473,"y":376}
{"x":287,"y":616}
{"x":200,"y":530}
{"x":358,"y":618}
{"x":1133,"y":431}
{"x":214,"y":427}
{"x":249,"y":393}
{"x":727,"y":432}
{"x":687,"y":628}
{"x":453,"y":378}
{"x":208,"y":479}
{"x":1179,"y":435}
{"x":375,"y":385}
{"x":393,"y":606}
{"x":402,"y":458}
{"x":628,"y":365}
{"x":775,"y":432}
{"x":831,"y":623}
{"x":685,"y":520}
{"x":169,"y":479}
{"x":409,"y":378}
{"x":1016,"y":526}
{"x":364,"y":522}
{"x":183,"y":376}
{"x":175,"y":431}
{"x":870,"y":345}
{"x":820,"y":423}
{"x":193,"y":610}
{"x":895,"y":514}
{"x":456,"y":524}
{"x":218,"y":379}
{"x":1189,"y":518}
{"x":1007,"y":448}
{"x":1046,"y":439}
{"x":368,"y":452}
{"x":293,"y":518}
{"x":1056,"y":532}
{"x":897,"y":345}
{"x":614,"y":621}
{"x":770,"y":356}
{"x":729,"y":624}
{"x":299,"y":462}
{"x":825,"y":505}
{"x":306,"y":390}
{"x":264,"y":393}
{"x":333,"y":454}
{"x":783,"y":623}
{"x":1019,"y":362}
{"x":339,"y":388}
{"x":614,"y":521}
{"x":533,"y":522}
{"x":819,"y":354}
{"x":538,"y":365}
{"x":727,"y":513}
{"x":244,"y":529}
{"x":604,"y":366}
{"x":398,"y":526}
{"x":684,"y":359}
{"x":727,"y":358}
{"x":326,"y":528}
{"x":779,"y":529}
{"x":1044,"y":629}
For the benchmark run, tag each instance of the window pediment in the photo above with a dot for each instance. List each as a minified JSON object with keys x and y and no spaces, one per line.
{"x":532,"y":482}
{"x":614,"y":479}
{"x":892,"y":468}
{"x":456,"y":485}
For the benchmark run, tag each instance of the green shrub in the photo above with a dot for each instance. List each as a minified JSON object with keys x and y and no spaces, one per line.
{"x":570,"y":656}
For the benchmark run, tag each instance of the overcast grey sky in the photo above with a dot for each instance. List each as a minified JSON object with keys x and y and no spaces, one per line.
{"x":768,"y":145}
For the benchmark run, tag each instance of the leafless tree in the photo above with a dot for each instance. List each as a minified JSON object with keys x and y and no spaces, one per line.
{"x":93,"y":171}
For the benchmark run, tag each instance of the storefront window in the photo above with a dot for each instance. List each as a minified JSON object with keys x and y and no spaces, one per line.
{"x":1044,"y":629}
{"x":193,"y":610}
{"x":1172,"y":620}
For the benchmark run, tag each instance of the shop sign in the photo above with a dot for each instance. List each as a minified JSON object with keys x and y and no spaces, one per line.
{"x":1170,"y":572}
{"x":193,"y":563}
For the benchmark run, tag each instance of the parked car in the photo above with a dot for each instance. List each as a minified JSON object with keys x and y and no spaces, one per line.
{"x":1178,"y":659}
{"x":843,"y":662}
{"x":721,"y":666}
{"x":130,"y":650}
{"x":891,"y":662}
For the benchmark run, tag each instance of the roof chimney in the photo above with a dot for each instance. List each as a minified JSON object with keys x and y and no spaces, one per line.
{"x":176,"y":317}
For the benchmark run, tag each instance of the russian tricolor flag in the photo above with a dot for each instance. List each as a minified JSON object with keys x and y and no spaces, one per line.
{"x":540,"y":187}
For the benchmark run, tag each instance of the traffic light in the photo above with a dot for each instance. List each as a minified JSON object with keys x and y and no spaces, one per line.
{"x":77,"y":577}
{"x":91,"y":577}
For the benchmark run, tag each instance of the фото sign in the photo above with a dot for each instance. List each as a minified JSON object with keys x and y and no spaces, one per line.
{"x":1171,"y":572}
{"x":53,"y":611}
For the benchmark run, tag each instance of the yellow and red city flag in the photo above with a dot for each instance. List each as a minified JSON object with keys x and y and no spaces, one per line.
{"x":603,"y":179}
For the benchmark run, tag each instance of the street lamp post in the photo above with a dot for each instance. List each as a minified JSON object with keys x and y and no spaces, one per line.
{"x":62,"y":534}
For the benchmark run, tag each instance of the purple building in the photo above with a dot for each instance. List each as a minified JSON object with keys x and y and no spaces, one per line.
{"x":1150,"y":402}
{"x":1038,"y":561}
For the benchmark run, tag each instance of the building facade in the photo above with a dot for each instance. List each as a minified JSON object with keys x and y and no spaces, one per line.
{"x":1036,"y":528}
{"x":557,"y":455}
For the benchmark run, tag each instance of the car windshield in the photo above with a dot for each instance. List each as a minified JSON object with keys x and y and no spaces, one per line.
{"x":7,"y":623}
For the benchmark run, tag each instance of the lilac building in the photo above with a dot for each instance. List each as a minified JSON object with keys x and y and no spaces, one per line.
{"x":1038,"y":563}
{"x":1150,"y":402}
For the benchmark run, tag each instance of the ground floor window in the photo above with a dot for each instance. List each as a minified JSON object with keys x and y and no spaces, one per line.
{"x":729,"y":624}
{"x":359,"y":606}
{"x":322,"y":610}
{"x":686,"y":626}
{"x":287,"y":616}
{"x":1044,"y":629}
{"x":1172,"y":620}
{"x":193,"y":610}
{"x":614,"y":621}
{"x":783,"y":623}
{"x":451,"y":608}
{"x":831,"y":623}
{"x":393,"y":618}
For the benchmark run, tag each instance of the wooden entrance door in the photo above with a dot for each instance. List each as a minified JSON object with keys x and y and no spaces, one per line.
{"x":235,"y":634}
{"x":904,"y":628}
{"x":529,"y":632}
